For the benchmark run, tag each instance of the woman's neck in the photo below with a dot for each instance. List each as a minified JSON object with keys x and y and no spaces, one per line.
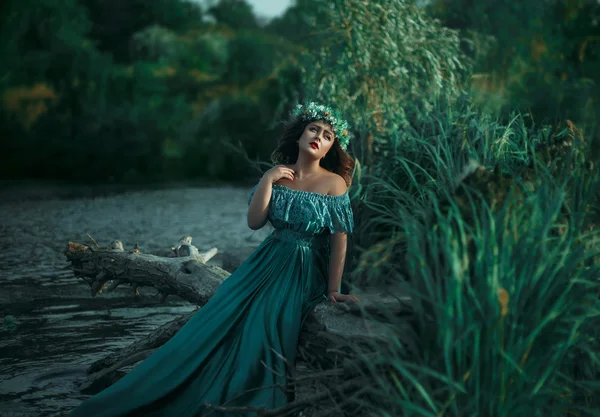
{"x":305,"y":167}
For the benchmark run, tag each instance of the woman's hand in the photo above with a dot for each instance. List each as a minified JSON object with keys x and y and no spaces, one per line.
{"x":335,"y":296}
{"x":278,"y":172}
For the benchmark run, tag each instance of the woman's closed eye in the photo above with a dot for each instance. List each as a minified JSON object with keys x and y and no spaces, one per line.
{"x":326,"y":136}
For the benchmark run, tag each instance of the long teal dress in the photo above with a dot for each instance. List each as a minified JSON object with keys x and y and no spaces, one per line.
{"x":231,"y":351}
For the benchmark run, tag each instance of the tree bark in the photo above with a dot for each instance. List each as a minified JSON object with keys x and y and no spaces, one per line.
{"x":188,"y":276}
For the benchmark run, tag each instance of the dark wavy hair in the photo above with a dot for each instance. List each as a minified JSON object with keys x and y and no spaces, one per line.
{"x":337,"y":160}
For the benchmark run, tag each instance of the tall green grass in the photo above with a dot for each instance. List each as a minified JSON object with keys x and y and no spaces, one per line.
{"x":436,"y":155}
{"x":501,"y":257}
{"x":506,"y":315}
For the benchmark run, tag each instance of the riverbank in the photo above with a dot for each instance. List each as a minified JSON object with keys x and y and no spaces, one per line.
{"x":52,"y":328}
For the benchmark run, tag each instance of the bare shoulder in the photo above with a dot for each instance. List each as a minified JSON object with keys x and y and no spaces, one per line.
{"x":337,"y":184}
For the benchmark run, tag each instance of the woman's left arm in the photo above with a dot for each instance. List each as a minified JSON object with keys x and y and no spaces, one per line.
{"x":338,"y":244}
{"x":337,"y":258}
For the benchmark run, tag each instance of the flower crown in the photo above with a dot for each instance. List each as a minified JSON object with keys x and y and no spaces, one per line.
{"x":312,"y":111}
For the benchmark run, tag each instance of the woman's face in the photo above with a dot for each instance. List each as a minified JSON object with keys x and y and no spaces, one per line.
{"x":317,"y":139}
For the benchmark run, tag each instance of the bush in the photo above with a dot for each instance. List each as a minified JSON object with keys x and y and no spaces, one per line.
{"x":380,"y":59}
{"x":106,"y":129}
{"x":505,"y":312}
{"x":503,"y":275}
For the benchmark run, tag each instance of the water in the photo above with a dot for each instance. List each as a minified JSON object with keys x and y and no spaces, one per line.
{"x":51,"y":328}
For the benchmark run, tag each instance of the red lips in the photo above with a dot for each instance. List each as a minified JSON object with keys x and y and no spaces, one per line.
{"x":314,"y":145}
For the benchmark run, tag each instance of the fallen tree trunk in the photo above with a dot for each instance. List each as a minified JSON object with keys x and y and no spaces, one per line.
{"x":188,"y":276}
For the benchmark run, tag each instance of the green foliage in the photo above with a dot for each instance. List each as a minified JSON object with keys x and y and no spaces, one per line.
{"x":207,"y":53}
{"x":69,"y":108}
{"x":502,"y":266}
{"x":43,"y":41}
{"x":85,"y":119}
{"x":381,"y":60}
{"x":212,"y":149}
{"x":506,"y":314}
{"x":303,"y":23}
{"x":110,"y":139}
{"x":237,"y":14}
{"x":251,"y":58}
{"x":458,"y":145}
{"x":543,"y":59}
{"x":155,"y":43}
{"x":115,"y":21}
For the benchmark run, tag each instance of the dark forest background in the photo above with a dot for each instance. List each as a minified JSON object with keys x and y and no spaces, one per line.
{"x":144,"y":91}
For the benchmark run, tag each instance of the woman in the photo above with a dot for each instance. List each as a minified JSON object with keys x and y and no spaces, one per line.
{"x":235,"y":351}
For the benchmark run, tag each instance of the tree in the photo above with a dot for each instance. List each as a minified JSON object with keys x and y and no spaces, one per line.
{"x":300,"y":23}
{"x":49,"y":64}
{"x":237,"y":14}
{"x":543,"y":58}
{"x":115,"y":21}
{"x":44,"y":41}
{"x":251,"y":58}
{"x":385,"y":64}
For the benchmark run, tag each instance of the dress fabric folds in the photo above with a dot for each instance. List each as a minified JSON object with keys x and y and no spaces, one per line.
{"x":233,"y":351}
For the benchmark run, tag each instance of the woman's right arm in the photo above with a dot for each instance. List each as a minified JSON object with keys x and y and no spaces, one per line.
{"x":259,"y":206}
